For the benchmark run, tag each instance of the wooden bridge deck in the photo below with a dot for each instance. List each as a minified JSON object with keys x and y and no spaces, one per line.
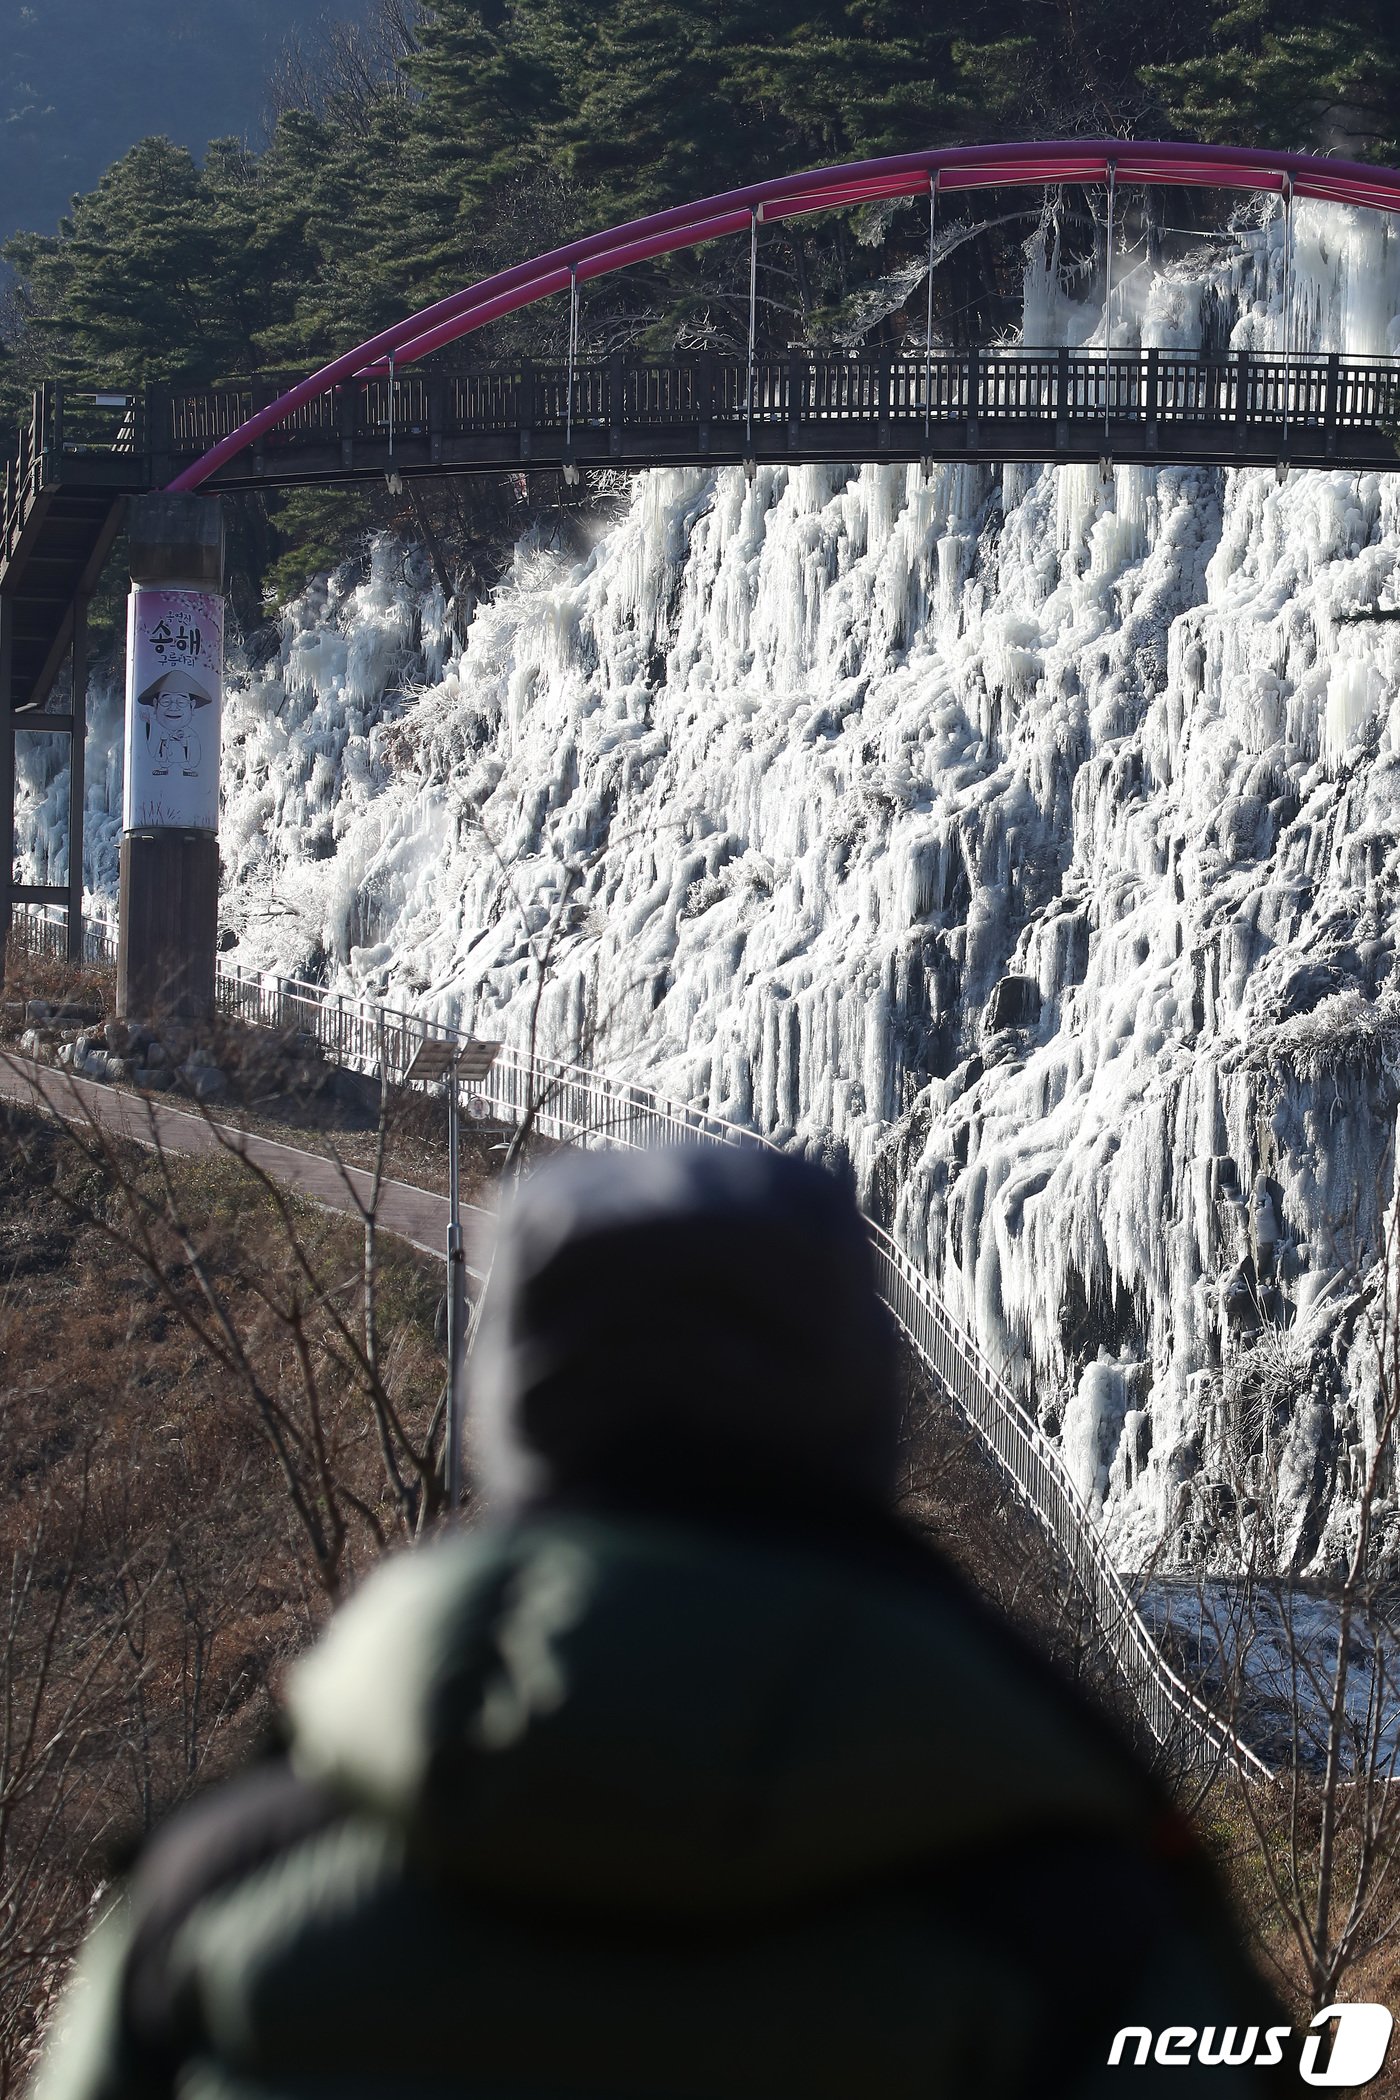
{"x":1058,"y":405}
{"x":81,"y":455}
{"x":1153,"y":407}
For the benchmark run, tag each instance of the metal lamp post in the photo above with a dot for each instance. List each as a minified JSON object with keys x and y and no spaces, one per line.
{"x":450,"y":1063}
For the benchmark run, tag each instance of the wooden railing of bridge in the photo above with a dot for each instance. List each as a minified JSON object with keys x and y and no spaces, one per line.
{"x":1150,"y":406}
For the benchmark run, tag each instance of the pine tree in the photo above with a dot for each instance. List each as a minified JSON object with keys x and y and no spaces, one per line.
{"x":134,"y":287}
{"x":1276,"y":73}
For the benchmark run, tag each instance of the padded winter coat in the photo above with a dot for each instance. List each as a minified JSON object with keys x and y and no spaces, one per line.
{"x":593,"y":1808}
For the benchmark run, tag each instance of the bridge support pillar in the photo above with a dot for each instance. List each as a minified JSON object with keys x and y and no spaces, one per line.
{"x":174,"y":690}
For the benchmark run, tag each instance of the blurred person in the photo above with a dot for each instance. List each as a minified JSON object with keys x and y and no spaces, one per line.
{"x":689,"y":1772}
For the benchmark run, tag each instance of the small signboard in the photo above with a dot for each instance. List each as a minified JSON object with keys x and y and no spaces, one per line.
{"x":174,"y":690}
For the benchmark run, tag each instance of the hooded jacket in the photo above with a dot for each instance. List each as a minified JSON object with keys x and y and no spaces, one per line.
{"x":589,"y":1807}
{"x":679,"y":1780}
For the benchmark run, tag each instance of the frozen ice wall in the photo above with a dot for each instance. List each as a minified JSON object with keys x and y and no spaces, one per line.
{"x":1028,"y":839}
{"x":41,"y":800}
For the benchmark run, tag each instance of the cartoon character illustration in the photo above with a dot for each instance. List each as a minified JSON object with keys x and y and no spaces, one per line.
{"x":172,"y":701}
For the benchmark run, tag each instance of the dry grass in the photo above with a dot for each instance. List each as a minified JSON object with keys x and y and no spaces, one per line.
{"x":50,"y":977}
{"x":144,"y":1507}
{"x":1231,"y":1838}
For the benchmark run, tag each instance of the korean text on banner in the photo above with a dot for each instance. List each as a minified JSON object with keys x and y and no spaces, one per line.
{"x":174,"y":688}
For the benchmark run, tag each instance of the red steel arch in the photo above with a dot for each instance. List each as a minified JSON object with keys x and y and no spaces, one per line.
{"x":1091,"y":161}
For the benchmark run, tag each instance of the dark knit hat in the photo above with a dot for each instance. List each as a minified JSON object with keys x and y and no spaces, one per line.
{"x":683,"y":1315}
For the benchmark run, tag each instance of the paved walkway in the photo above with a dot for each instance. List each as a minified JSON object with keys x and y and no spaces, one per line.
{"x":414,"y":1214}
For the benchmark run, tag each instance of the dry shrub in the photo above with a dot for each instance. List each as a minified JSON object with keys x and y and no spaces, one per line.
{"x":53,"y":977}
{"x":1287,"y":1814}
{"x":158,"y":1572}
{"x":956,"y":1494}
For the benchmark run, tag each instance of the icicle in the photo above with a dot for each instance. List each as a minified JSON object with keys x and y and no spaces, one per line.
{"x":992,"y":833}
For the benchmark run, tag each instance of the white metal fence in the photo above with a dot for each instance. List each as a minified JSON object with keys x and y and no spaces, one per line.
{"x":574,"y":1105}
{"x":42,"y":929}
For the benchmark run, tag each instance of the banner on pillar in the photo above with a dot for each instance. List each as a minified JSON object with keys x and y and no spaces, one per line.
{"x":174,"y":689}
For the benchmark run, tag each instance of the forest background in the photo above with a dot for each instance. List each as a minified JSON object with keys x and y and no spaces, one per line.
{"x":415,"y":148}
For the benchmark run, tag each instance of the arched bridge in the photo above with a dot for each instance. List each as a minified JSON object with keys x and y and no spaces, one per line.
{"x":1031,"y":404}
{"x":380,"y":409}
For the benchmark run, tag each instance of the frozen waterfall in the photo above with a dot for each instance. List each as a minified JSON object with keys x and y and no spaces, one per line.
{"x":1029,"y":839}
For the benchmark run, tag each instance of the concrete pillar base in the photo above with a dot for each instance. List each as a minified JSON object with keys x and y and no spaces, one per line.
{"x":169,"y":925}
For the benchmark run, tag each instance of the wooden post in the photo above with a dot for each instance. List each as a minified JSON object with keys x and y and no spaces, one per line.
{"x":45,"y":420}
{"x":155,"y":410}
{"x":704,"y":400}
{"x":265,"y":392}
{"x":526,"y":410}
{"x":1331,"y":401}
{"x":617,"y":404}
{"x":352,"y":395}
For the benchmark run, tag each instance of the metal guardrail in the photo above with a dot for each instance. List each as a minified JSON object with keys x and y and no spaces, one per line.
{"x":572,"y":1104}
{"x":42,"y":929}
{"x":1174,"y":1714}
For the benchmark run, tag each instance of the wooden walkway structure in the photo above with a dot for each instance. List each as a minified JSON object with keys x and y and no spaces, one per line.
{"x":1140,"y":407}
{"x":59,"y":521}
{"x":81,"y":455}
{"x":386,"y":407}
